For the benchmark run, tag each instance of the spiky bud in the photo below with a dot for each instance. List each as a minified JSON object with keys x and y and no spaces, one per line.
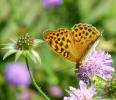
{"x":24,"y":42}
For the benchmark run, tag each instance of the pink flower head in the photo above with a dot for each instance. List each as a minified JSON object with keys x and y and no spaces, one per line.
{"x":55,"y":91}
{"x":17,"y":74}
{"x":51,"y":3}
{"x":25,"y":95}
{"x":81,"y":94}
{"x":99,"y":63}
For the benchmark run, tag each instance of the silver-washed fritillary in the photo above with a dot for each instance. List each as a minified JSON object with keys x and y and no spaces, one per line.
{"x":72,"y":44}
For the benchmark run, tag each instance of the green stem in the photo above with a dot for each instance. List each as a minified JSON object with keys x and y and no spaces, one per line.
{"x":34,"y":82}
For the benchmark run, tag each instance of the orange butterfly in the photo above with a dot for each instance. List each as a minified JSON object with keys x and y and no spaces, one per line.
{"x":72,"y":44}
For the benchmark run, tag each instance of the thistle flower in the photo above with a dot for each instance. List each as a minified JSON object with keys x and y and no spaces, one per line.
{"x":51,"y":3}
{"x":16,"y":73}
{"x":85,"y":73}
{"x":23,"y":45}
{"x":98,"y":63}
{"x":55,"y":91}
{"x":81,"y":94}
{"x":25,"y":95}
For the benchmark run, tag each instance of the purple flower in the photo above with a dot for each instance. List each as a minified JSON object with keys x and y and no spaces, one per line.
{"x":23,"y":96}
{"x":55,"y":91}
{"x":51,"y":3}
{"x":99,"y":63}
{"x":85,"y":73}
{"x":81,"y":94}
{"x":17,"y":74}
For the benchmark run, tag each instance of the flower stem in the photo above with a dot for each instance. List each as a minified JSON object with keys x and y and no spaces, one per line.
{"x":34,"y":82}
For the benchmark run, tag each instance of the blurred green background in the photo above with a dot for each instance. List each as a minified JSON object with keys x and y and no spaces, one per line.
{"x":30,"y":16}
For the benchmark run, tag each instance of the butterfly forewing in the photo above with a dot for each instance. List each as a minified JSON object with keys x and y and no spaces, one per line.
{"x":84,"y":36}
{"x":61,"y":42}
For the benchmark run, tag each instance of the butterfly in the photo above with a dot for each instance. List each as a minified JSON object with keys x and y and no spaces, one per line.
{"x":73,"y":44}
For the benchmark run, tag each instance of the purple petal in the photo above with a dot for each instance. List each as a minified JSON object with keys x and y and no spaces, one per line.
{"x":91,"y":90}
{"x":83,"y":86}
{"x":69,"y":98}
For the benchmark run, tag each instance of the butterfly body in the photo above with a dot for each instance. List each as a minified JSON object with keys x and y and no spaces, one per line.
{"x":72,"y":44}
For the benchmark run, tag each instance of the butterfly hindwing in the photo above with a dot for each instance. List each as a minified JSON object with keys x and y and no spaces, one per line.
{"x":84,"y":36}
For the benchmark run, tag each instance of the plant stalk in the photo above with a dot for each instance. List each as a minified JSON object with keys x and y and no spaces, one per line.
{"x":34,"y":82}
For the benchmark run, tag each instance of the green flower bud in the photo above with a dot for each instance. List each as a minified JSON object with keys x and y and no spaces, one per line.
{"x":24,"y":42}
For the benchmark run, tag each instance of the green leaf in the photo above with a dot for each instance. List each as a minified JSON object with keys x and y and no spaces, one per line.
{"x":29,"y":54}
{"x":8,"y":46}
{"x":18,"y":54}
{"x":10,"y":52}
{"x":67,"y":91}
{"x":36,"y":55}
